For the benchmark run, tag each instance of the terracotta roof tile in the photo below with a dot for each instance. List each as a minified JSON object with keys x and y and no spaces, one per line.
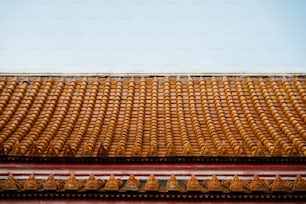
{"x":153,"y":116}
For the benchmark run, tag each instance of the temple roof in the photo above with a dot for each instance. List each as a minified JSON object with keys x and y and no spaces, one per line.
{"x":153,"y":116}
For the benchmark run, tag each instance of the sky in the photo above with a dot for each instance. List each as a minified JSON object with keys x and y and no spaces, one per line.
{"x":152,"y":36}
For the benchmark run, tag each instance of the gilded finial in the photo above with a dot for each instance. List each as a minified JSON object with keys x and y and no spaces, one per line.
{"x":256,"y":184}
{"x":173,"y":184}
{"x":214,"y":184}
{"x":92,"y":183}
{"x":193,"y":184}
{"x":112,"y":184}
{"x":152,"y":184}
{"x":50,"y":183}
{"x":299,"y":183}
{"x":71,"y":183}
{"x":31,"y":183}
{"x":278,"y":184}
{"x":10,"y":183}
{"x":132,"y":184}
{"x":236,"y":185}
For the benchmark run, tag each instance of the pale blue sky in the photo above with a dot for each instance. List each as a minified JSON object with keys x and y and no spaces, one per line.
{"x":153,"y":36}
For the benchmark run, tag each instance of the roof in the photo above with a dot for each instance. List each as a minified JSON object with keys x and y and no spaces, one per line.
{"x":153,"y":138}
{"x":153,"y":116}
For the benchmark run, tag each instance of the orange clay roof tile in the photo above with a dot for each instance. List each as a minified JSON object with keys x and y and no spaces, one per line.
{"x":153,"y":116}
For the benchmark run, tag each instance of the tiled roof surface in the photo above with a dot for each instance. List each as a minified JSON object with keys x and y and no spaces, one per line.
{"x":153,"y":116}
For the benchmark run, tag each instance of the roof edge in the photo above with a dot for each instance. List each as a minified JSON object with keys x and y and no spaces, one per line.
{"x":103,"y":74}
